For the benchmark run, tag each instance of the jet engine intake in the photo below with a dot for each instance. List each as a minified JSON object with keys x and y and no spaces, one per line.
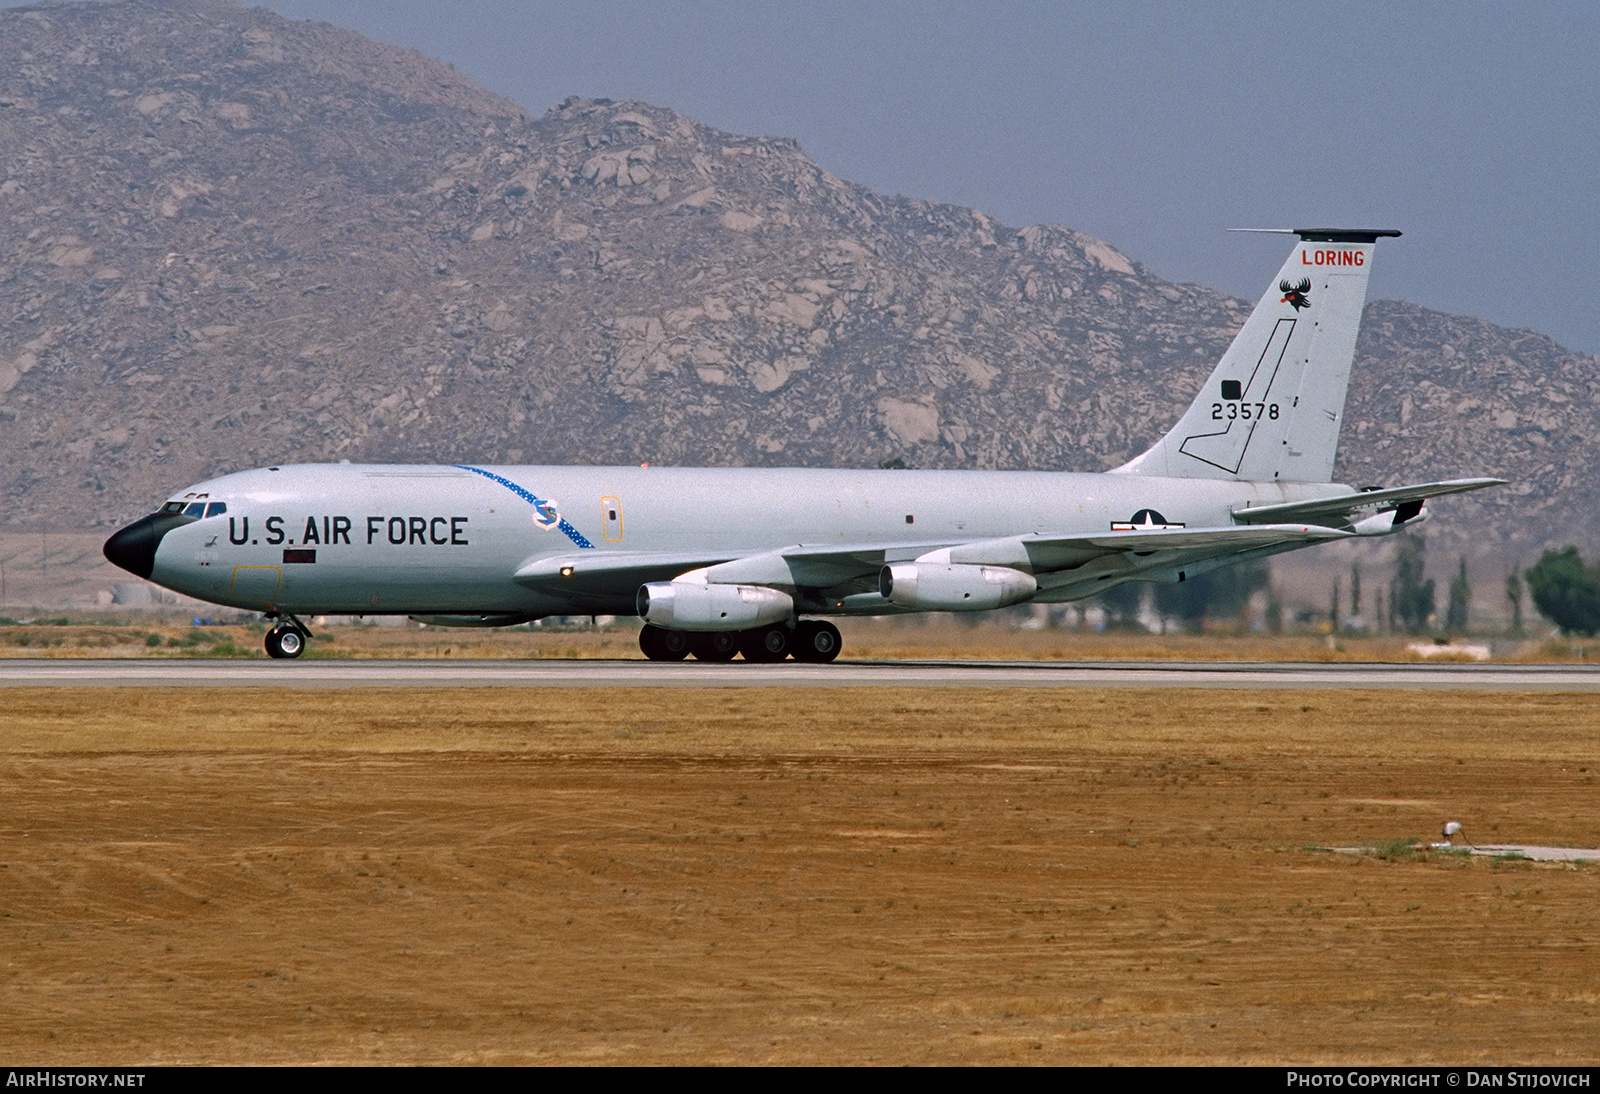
{"x":929,"y":586}
{"x":691,"y":606}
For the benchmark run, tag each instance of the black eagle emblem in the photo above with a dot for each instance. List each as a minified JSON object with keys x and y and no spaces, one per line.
{"x":1295,"y":295}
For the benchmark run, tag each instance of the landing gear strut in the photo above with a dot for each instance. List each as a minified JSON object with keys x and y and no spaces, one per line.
{"x":287,"y":639}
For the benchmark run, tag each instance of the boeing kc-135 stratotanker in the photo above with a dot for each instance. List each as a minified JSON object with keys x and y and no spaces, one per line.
{"x":739,"y":560}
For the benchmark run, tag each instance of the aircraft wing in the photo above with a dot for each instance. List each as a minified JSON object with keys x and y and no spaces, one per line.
{"x":1171,"y":539}
{"x":1342,"y":509}
{"x":843,"y":578}
{"x":601,"y":574}
{"x":1040,"y":554}
{"x":800,"y":565}
{"x":1071,"y":566}
{"x":832,"y":569}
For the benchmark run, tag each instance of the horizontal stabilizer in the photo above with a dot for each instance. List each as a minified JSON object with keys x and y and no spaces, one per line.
{"x":1342,"y":508}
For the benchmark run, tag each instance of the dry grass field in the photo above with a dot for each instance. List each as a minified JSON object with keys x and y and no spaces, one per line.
{"x":792,"y":876}
{"x":940,"y":638}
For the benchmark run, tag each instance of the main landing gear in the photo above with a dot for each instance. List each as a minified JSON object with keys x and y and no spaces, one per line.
{"x":287,"y":639}
{"x":813,"y":640}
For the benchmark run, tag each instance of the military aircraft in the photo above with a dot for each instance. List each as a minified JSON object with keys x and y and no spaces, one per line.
{"x":729,"y":561}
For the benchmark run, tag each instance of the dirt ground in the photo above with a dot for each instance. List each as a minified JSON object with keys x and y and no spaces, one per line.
{"x":792,"y":876}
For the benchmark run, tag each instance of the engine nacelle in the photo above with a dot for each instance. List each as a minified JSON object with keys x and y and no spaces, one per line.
{"x":691,"y":606}
{"x":939,"y":587}
{"x":1392,"y":520}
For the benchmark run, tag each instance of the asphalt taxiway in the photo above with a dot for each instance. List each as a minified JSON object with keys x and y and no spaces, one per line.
{"x":331,"y":673}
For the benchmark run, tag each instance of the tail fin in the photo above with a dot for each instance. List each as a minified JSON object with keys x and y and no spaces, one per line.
{"x":1271,"y":410}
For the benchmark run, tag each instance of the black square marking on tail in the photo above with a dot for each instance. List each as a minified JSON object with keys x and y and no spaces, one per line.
{"x":1232,"y":390}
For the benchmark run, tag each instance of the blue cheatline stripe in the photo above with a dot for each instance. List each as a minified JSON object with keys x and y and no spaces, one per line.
{"x":532,"y":499}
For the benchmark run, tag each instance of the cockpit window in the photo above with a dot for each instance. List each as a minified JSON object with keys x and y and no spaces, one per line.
{"x":172,"y":507}
{"x":195,"y":509}
{"x":216,"y":508}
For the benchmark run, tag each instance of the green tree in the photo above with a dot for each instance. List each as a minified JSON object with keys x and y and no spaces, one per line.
{"x":1455,"y":615}
{"x":1122,"y":603}
{"x":1274,"y":611}
{"x":1220,"y":594}
{"x":1411,"y":597}
{"x":1514,"y":594}
{"x":1566,"y":591}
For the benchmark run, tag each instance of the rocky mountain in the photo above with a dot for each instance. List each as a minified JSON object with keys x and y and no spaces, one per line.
{"x":228,"y":239}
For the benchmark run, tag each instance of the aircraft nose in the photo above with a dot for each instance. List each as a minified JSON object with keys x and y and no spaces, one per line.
{"x":134,"y":547}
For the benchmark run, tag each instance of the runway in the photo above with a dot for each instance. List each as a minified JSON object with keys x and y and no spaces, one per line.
{"x":318,"y":673}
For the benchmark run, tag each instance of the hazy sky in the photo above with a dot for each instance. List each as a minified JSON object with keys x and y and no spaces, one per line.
{"x":1474,"y":127}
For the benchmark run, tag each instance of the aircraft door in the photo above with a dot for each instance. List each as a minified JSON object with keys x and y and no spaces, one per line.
{"x":611,"y":519}
{"x":256,"y":586}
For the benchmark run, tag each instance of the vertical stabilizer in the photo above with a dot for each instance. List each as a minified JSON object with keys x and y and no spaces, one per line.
{"x":1272,"y":408}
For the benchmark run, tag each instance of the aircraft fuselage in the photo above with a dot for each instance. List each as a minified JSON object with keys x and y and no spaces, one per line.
{"x":396,"y":539}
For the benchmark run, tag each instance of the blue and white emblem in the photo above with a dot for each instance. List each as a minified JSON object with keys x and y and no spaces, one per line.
{"x":545,"y":515}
